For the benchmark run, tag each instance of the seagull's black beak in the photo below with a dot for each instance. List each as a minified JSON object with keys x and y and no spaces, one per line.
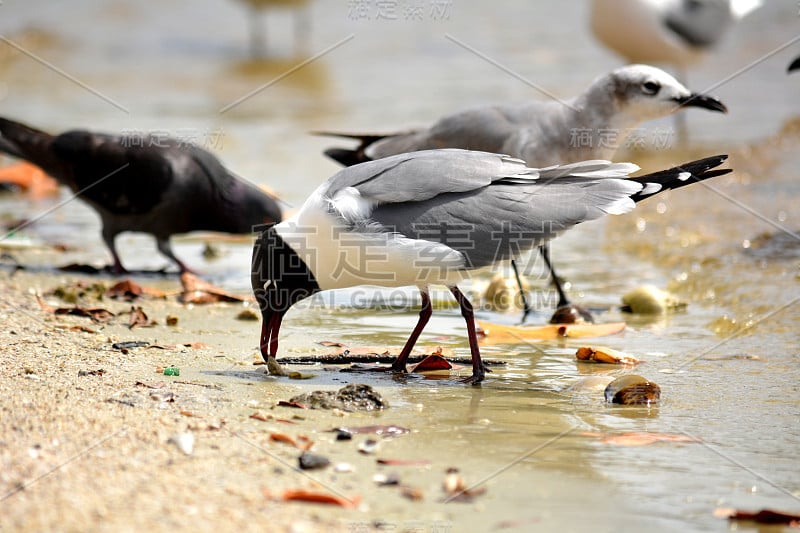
{"x":702,"y":100}
{"x":794,"y":65}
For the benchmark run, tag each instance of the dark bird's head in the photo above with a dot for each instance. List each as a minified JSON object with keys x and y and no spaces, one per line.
{"x":262,"y":207}
{"x":642,"y":92}
{"x":245,"y":208}
{"x":279,"y":278}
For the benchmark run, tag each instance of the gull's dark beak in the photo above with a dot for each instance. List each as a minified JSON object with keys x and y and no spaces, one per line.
{"x":794,"y":65}
{"x":702,"y":100}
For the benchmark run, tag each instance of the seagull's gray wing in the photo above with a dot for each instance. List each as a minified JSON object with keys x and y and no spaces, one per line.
{"x":484,"y":129}
{"x":486,"y":206}
{"x":419,"y":176}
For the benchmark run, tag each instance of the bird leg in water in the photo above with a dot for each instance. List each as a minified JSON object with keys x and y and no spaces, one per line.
{"x":526,"y":306}
{"x":566,"y":312}
{"x":478,"y":368}
{"x":424,"y":315}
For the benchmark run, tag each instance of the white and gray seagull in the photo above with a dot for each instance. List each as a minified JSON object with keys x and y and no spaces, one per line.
{"x":590,"y":126}
{"x":432,"y":218}
{"x":674,"y":32}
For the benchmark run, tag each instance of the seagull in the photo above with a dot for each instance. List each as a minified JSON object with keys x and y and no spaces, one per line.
{"x":674,"y":32}
{"x":143,"y":183}
{"x":589,"y":126}
{"x":258,"y":45}
{"x":432,"y":218}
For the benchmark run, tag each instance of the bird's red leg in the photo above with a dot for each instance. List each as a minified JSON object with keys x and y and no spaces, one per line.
{"x":424,"y":315}
{"x":478,"y":370}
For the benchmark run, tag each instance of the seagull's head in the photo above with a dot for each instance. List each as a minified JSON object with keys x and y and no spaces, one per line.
{"x":279,"y":276}
{"x":642,"y":92}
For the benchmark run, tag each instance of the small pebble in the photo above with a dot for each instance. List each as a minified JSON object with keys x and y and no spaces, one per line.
{"x":247,"y":314}
{"x":172,"y":320}
{"x":344,"y":435}
{"x":343,"y":468}
{"x":368,"y":446}
{"x":385,"y":480}
{"x":312,"y":461}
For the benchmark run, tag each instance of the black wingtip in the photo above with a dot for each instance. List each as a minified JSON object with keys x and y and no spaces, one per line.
{"x":794,"y":65}
{"x":676,"y":177}
{"x":346,"y":157}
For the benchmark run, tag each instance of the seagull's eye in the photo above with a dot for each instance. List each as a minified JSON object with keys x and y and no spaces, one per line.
{"x":651,"y":87}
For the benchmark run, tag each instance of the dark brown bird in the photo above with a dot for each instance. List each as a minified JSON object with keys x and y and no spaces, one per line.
{"x":154,"y":185}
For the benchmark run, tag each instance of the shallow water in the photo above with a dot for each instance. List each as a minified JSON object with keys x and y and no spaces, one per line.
{"x":727,"y":366}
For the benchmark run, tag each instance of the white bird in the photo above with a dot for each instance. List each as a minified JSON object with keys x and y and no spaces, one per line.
{"x":674,"y":32}
{"x":589,"y":126}
{"x":432,"y":218}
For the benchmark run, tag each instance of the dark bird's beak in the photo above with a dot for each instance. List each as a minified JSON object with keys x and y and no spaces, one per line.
{"x":702,"y":100}
{"x":794,"y":65}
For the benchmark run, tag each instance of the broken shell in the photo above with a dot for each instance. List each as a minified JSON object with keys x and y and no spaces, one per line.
{"x":602,"y":354}
{"x":650,"y":300}
{"x":184,"y":442}
{"x":343,"y":468}
{"x":385,"y":480}
{"x":368,"y":446}
{"x":453,"y":483}
{"x":632,"y":390}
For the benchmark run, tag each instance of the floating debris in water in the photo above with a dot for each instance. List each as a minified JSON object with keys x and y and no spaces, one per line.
{"x":633,"y":390}
{"x":385,"y":431}
{"x":352,"y":397}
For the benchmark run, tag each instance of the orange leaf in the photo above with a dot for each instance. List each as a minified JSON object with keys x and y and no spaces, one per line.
{"x":303,"y":495}
{"x":197,"y":291}
{"x":499,"y":333}
{"x":30,"y":179}
{"x":302,"y":442}
{"x":126,"y":289}
{"x":432,"y":362}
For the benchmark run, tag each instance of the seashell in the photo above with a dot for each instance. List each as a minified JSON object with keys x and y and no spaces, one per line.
{"x":571,"y":314}
{"x":602,"y":354}
{"x":184,"y":442}
{"x":650,"y":300}
{"x":632,"y":390}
